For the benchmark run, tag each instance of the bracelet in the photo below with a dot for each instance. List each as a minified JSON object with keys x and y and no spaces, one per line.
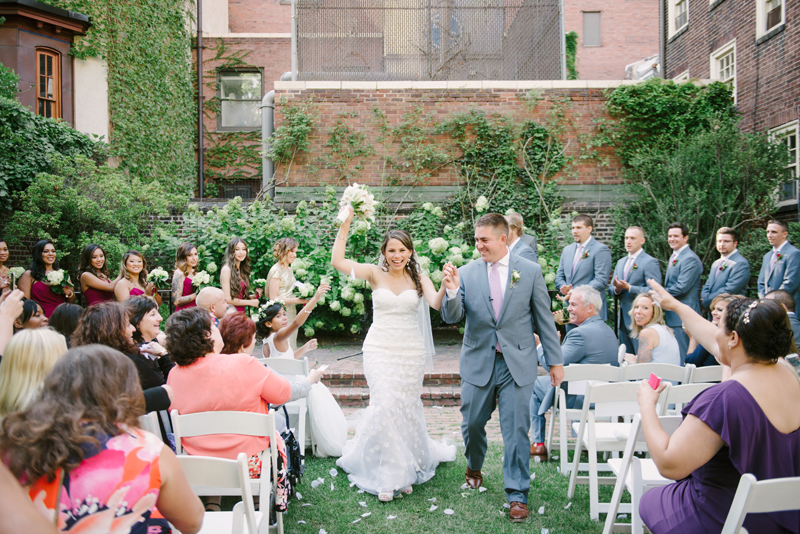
{"x":305,"y":311}
{"x":340,"y":237}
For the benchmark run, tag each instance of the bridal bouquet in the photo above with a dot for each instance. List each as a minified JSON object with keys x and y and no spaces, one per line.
{"x":362,"y":201}
{"x":58,"y":280}
{"x":158,"y":276}
{"x":201,"y":279}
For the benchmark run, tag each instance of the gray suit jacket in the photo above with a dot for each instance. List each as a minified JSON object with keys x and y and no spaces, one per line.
{"x":526,"y":307}
{"x":591,"y":342}
{"x":644,"y":266}
{"x":524,"y":251}
{"x":795,"y":322}
{"x":785,"y":275}
{"x":733,"y":280}
{"x":593,"y":269}
{"x":530,"y":240}
{"x":683,"y":282}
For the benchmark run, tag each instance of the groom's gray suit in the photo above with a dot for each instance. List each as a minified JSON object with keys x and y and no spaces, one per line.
{"x":486,"y":374}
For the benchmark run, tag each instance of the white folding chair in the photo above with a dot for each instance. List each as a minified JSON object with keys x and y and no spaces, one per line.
{"x":610,"y":400}
{"x":298,"y":410}
{"x":576,"y":375}
{"x":636,"y":475}
{"x":664,"y":371}
{"x":149,"y":422}
{"x":623,"y":350}
{"x":761,"y":497}
{"x":208,"y":476}
{"x":680,"y":395}
{"x":243,"y":423}
{"x":709,"y":373}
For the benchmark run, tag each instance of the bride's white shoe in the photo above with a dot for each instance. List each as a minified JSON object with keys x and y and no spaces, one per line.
{"x":385,"y":496}
{"x":407,"y":490}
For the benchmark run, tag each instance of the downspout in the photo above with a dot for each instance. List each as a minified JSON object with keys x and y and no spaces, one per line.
{"x":563,"y":40}
{"x":294,"y":41}
{"x":200,"y":170}
{"x":662,"y":42}
{"x":267,"y":128}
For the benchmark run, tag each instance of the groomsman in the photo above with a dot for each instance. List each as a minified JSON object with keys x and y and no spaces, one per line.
{"x":730,"y":273}
{"x":682,"y":280}
{"x":781,"y":266}
{"x":788,"y":303}
{"x":516,"y":229}
{"x":630,"y":279}
{"x":586,"y":261}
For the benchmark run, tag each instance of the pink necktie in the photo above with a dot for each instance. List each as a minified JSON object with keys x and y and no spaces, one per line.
{"x":497,"y":294}
{"x":577,"y":259}
{"x":628,"y":265}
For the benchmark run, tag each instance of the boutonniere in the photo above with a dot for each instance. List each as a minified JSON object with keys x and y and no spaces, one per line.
{"x":779,"y":256}
{"x":675,"y":262}
{"x":723,"y":266}
{"x":585,"y":255}
{"x":515,"y":277}
{"x":635,"y":266}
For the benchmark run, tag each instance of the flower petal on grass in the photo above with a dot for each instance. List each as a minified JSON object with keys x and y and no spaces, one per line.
{"x":362,"y":503}
{"x":314,"y":483}
{"x":545,"y":531}
{"x":367,"y":514}
{"x":448,"y":511}
{"x":299,"y":496}
{"x":331,"y":486}
{"x":568,"y":505}
{"x":482,"y":489}
{"x":533,"y":475}
{"x":301,"y":522}
{"x":391,"y":516}
{"x":541,"y":510}
{"x":432,"y":508}
{"x":506,"y":505}
{"x":432,"y":499}
{"x":356,"y":521}
{"x":333,"y":472}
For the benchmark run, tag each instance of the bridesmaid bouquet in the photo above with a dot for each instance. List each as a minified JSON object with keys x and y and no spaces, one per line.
{"x":158,"y":276}
{"x":58,"y":280}
{"x":362,"y":201}
{"x":201,"y":279}
{"x":16,"y":272}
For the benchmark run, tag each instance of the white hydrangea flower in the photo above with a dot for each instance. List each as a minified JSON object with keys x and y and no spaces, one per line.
{"x":348,"y":293}
{"x":457,"y":259}
{"x":358,"y":298}
{"x":287,"y":224}
{"x":438,"y":245}
{"x":211,"y":267}
{"x":425,"y":263}
{"x":438,"y":211}
{"x":308,"y":331}
{"x":346,"y":311}
{"x":336,"y":305}
{"x":436,"y":276}
{"x":428,"y":206}
{"x":482,"y":204}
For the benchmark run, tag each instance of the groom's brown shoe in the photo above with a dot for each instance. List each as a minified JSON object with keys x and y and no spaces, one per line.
{"x":518,"y":512}
{"x":474,"y":479}
{"x":539,"y":451}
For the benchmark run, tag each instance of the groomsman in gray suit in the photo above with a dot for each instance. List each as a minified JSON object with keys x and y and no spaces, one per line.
{"x":781,"y":266}
{"x":682,"y":281}
{"x":586,"y":261}
{"x":504,"y":299}
{"x":630,"y":279}
{"x":730,"y":273}
{"x":788,"y":303}
{"x":516,"y":229}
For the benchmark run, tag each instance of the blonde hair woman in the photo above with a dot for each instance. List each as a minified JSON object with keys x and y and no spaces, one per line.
{"x":657,"y":343}
{"x":28,"y":358}
{"x":281,"y":280}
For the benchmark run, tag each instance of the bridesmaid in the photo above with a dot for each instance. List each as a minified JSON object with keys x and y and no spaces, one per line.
{"x":32,"y":282}
{"x":133,"y":278}
{"x":183,"y":293}
{"x":5,"y":277}
{"x":234,"y":277}
{"x":281,"y":280}
{"x":96,"y":283}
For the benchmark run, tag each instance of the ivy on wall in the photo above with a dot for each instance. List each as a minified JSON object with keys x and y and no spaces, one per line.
{"x":146,"y":44}
{"x":572,"y":55}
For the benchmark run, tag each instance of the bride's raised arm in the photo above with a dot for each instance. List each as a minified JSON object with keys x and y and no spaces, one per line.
{"x":433,"y":297}
{"x":343,"y":265}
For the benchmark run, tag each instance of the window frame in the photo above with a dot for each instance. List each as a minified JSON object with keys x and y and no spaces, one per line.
{"x":56,"y":103}
{"x":220,"y":74}
{"x":672,"y":5}
{"x":761,"y":18}
{"x":782,"y":131}
{"x":682,"y":77}
{"x":599,"y":28}
{"x":715,"y":58}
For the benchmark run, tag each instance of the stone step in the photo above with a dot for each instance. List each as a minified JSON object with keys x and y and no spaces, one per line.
{"x":431,"y":396}
{"x":358,"y":380}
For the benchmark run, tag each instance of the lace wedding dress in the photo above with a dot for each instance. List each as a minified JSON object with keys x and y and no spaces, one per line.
{"x":391,"y":449}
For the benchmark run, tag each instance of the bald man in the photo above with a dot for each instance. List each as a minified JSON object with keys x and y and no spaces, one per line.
{"x":212,"y":299}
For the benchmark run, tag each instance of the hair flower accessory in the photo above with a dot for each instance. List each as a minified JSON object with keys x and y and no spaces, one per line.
{"x":271,"y":303}
{"x":515,"y":277}
{"x":746,"y":318}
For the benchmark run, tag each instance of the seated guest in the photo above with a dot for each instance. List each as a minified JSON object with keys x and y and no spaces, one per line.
{"x":238,"y":334}
{"x":29,"y":357}
{"x":787,"y":301}
{"x":18,"y":512}
{"x":657,"y":344}
{"x":96,"y":283}
{"x":205,"y":380}
{"x":212,"y":299}
{"x":86,"y":463}
{"x":108,"y":324}
{"x":698,"y":355}
{"x":153,"y":360}
{"x":516,"y":229}
{"x":32,"y":316}
{"x":591,"y":342}
{"x":747,"y":424}
{"x":65,"y":319}
{"x":730,"y":273}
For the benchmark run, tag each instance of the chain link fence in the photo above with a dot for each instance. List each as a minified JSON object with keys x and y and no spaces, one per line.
{"x":430,"y":40}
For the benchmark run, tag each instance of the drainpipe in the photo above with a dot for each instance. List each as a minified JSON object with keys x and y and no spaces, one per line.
{"x":267,"y":128}
{"x":662,"y":43}
{"x":294,"y":41}
{"x":563,"y":40}
{"x":200,"y":170}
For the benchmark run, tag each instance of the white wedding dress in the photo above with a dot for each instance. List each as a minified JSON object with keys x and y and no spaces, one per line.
{"x":391,"y":449}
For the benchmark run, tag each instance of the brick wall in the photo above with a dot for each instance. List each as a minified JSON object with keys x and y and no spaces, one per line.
{"x":353,"y":102}
{"x":259,"y":16}
{"x":628,"y":32}
{"x":767,"y":74}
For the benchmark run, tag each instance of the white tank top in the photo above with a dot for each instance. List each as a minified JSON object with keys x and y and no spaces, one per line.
{"x":667,"y":350}
{"x":275,"y":353}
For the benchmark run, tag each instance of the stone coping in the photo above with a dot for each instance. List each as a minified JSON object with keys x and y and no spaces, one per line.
{"x":514,"y":85}
{"x":207,"y":35}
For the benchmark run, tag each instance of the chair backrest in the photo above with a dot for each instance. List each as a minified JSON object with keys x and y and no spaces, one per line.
{"x":665,"y":371}
{"x":210,"y":423}
{"x":623,"y":350}
{"x":149,"y":422}
{"x":685,"y":392}
{"x":709,"y":373}
{"x":287,"y":367}
{"x":207,"y":476}
{"x":754,"y":497}
{"x":610,"y":400}
{"x":577,"y":375}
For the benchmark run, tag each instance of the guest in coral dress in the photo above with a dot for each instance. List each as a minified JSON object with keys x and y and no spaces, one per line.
{"x":33,"y":282}
{"x":183,"y":293}
{"x":96,"y":283}
{"x":133,"y":274}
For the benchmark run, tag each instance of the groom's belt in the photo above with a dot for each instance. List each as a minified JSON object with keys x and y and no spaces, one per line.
{"x":498,"y":353}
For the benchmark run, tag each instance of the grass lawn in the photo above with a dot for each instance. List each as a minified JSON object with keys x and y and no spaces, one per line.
{"x":334,"y":511}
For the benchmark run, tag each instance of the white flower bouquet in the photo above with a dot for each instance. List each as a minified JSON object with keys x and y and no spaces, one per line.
{"x":362,"y":201}
{"x":201,"y":279}
{"x":58,"y":280}
{"x":16,"y":272}
{"x":158,"y":276}
{"x":260,"y":282}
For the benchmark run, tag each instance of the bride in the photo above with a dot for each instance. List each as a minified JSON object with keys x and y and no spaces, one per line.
{"x":391,"y":449}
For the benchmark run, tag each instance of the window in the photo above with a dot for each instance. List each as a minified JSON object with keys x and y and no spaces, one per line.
{"x":723,"y":65}
{"x":769,"y":15}
{"x":682,"y":77}
{"x":240,"y":101}
{"x":48,"y":77}
{"x":591,"y":29}
{"x":678,"y":15}
{"x":788,"y":135}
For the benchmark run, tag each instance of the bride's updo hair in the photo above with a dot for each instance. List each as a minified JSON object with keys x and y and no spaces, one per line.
{"x":412,"y":266}
{"x":267,"y":316}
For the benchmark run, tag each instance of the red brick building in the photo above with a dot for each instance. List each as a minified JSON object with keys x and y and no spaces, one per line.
{"x":754,"y":46}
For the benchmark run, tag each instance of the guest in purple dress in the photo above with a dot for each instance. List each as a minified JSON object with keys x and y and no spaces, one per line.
{"x":96,"y":283}
{"x":183,"y":293}
{"x":234,"y":276}
{"x":747,"y":424}
{"x":133,"y":278}
{"x":33,"y":284}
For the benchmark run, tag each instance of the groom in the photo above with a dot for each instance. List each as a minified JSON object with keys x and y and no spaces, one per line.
{"x":504,"y":298}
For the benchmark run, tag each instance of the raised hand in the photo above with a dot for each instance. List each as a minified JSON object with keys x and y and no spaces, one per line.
{"x":321,"y":290}
{"x":661,"y":297}
{"x":451,"y":278}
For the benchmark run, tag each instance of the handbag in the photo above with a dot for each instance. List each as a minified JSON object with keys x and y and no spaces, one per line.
{"x":295,"y":464}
